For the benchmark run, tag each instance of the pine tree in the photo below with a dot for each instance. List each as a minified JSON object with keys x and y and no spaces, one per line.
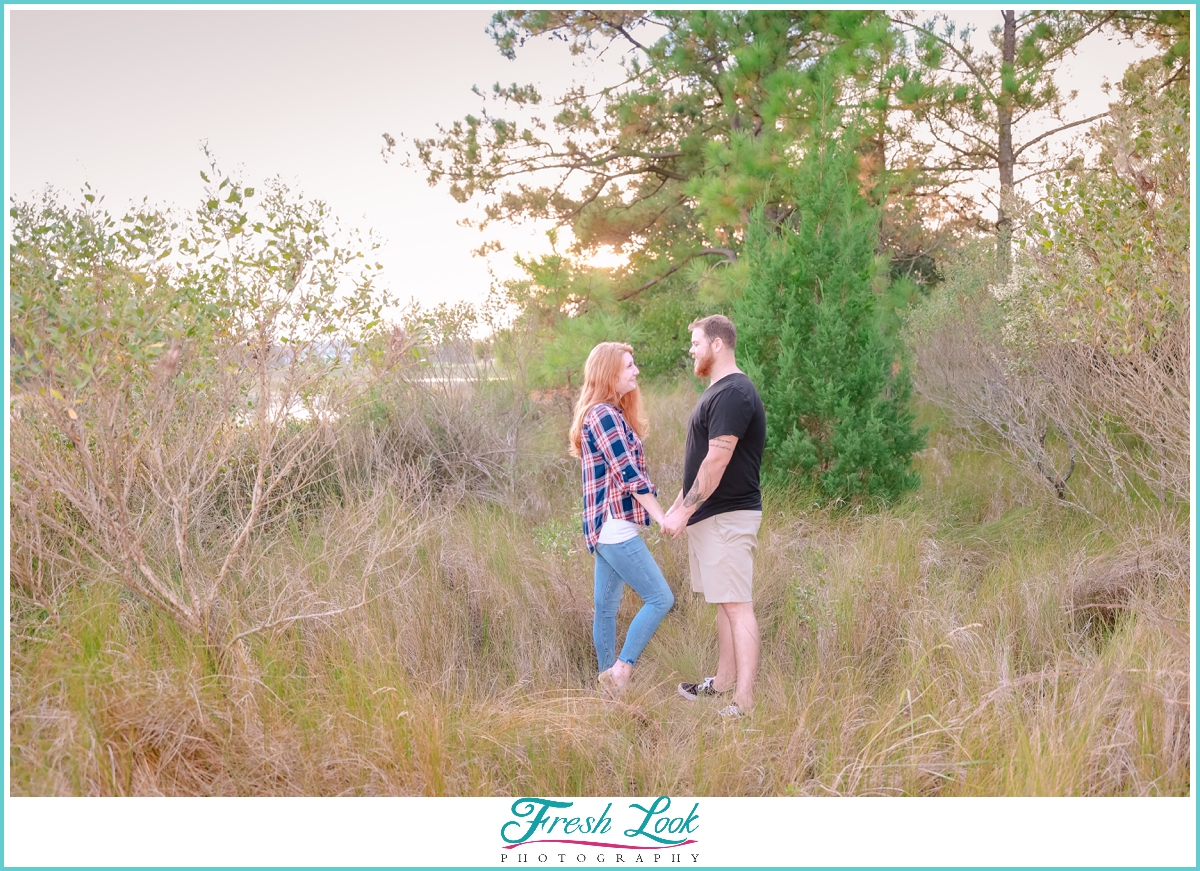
{"x":837,"y":400}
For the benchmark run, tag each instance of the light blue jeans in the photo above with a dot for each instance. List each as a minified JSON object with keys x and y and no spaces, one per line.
{"x":629,"y":563}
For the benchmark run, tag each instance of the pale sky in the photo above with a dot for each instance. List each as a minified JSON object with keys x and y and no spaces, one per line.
{"x":122,"y":99}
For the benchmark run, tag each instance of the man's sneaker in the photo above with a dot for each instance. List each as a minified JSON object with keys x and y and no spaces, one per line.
{"x":693,"y":691}
{"x":731,"y":712}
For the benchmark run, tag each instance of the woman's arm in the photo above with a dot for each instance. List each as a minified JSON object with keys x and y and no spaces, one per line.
{"x":610,"y":440}
{"x":651,"y":504}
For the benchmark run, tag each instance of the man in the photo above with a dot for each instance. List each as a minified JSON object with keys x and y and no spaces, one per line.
{"x":720,"y":506}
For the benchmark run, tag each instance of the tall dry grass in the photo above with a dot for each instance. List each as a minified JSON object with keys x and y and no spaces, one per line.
{"x":978,"y":638}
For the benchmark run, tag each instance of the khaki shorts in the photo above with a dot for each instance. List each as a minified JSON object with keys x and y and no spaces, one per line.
{"x":721,"y":555}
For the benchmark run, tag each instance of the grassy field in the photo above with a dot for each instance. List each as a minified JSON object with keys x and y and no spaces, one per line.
{"x":979,"y":638}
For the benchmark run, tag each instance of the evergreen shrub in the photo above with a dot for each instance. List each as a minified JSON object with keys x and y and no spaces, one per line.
{"x":835,"y":390}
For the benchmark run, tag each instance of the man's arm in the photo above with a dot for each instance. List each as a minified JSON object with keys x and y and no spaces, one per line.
{"x":720,"y":452}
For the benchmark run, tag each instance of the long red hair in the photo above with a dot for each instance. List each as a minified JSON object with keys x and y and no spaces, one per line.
{"x":600,"y":374}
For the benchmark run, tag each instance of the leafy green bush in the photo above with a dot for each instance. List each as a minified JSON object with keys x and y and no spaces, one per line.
{"x":662,"y":316}
{"x":562,"y":311}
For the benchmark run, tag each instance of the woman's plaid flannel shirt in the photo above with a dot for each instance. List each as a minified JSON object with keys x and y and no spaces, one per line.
{"x":614,"y":468}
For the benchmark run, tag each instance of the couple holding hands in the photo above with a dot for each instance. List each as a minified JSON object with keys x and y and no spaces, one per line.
{"x":719,"y":508}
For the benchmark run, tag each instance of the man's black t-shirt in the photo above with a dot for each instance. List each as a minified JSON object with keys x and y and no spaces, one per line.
{"x":729,"y":407}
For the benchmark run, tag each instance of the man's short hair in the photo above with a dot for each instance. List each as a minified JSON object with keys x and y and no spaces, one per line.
{"x":717,"y":327}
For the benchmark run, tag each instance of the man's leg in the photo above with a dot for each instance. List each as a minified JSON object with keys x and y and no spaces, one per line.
{"x":727,"y":674}
{"x":742,"y":626}
{"x":702,"y":542}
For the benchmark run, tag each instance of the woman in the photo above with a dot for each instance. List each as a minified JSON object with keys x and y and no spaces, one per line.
{"x":618,"y":498}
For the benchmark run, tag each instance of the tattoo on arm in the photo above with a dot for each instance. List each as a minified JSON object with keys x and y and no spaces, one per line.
{"x":699,"y":492}
{"x":722,"y":443}
{"x":694,"y":496}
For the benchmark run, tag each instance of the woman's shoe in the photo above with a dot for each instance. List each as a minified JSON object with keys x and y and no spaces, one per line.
{"x":608,"y":685}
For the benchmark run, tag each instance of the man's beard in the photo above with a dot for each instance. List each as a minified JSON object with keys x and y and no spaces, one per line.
{"x":703,"y":365}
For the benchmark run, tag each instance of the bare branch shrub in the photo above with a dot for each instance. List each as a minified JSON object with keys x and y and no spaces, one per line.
{"x":440,"y":405}
{"x":362,"y":544}
{"x":466,"y":437}
{"x":1130,"y":412}
{"x":1086,"y":342}
{"x":1104,"y":307}
{"x":1002,"y":406}
{"x":169,"y":410}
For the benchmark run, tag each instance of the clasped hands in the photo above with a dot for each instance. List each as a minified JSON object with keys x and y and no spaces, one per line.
{"x":674,"y":523}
